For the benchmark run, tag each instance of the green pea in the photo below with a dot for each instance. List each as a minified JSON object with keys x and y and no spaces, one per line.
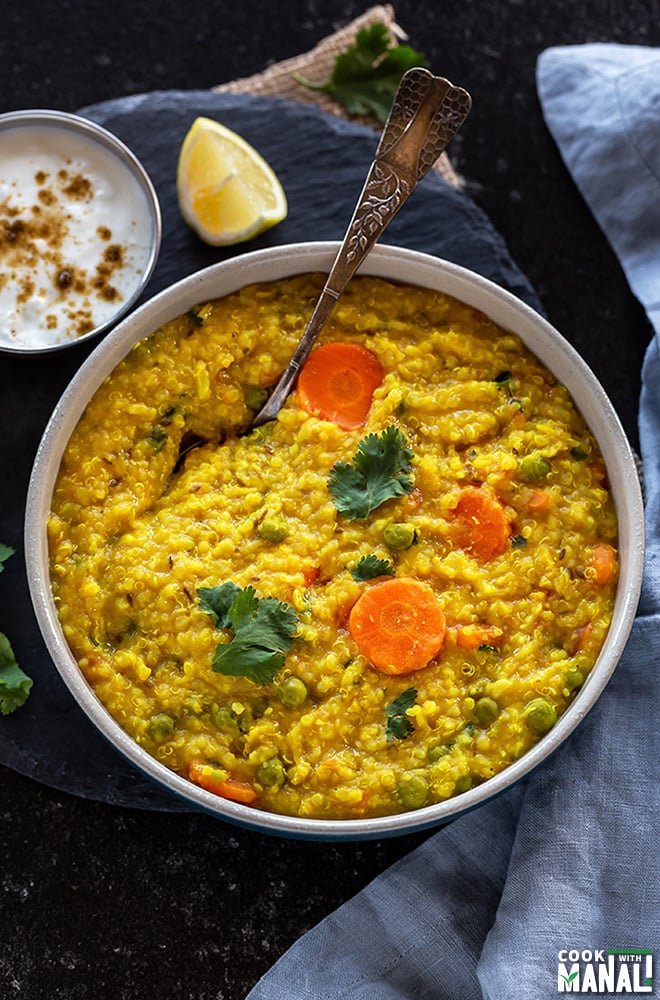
{"x":161,"y":727}
{"x":271,"y":773}
{"x":463,"y":784}
{"x":259,"y":707}
{"x":259,"y":434}
{"x":574,"y":679}
{"x":486,"y":710}
{"x":412,"y":791}
{"x":292,"y":692}
{"x":225,"y":721}
{"x":534,"y":467}
{"x":244,"y":721}
{"x":580,"y":453}
{"x":399,"y":536}
{"x":254,"y":397}
{"x":273,"y":529}
{"x":438,"y":751}
{"x":540,"y":715}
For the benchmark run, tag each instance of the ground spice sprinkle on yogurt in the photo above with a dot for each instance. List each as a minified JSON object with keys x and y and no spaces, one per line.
{"x":74,"y":235}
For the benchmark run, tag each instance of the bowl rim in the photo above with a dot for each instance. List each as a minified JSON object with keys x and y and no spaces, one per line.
{"x":51,"y":118}
{"x":395,"y":263}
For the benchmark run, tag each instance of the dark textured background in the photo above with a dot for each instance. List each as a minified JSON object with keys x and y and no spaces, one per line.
{"x":101,"y":901}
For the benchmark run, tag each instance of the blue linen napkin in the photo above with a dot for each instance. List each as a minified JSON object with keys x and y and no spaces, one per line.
{"x":570,"y":858}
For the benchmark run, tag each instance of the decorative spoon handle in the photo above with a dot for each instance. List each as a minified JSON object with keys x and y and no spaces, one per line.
{"x":426,"y":114}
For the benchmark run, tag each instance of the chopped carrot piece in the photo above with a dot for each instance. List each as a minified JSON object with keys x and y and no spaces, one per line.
{"x":598,"y":471}
{"x":215,"y":780}
{"x":581,"y":636}
{"x":539,"y":500}
{"x":337,"y":383}
{"x":472,"y":636}
{"x":483,"y":526}
{"x":311,"y":574}
{"x":604,"y":562}
{"x":398,"y":625}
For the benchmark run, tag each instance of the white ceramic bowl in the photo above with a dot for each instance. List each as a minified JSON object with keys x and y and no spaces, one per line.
{"x":403,"y":266}
{"x":78,"y":194}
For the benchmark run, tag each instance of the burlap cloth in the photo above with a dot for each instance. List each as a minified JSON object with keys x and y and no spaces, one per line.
{"x":316,"y":66}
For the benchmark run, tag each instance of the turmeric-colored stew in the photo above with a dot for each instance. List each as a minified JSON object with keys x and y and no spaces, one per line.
{"x":371,"y":604}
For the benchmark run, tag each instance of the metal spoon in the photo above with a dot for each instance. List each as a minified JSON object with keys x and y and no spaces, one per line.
{"x":426,"y":114}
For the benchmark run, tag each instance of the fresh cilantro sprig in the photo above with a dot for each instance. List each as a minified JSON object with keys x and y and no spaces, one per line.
{"x":399,"y":725}
{"x":365,"y":77}
{"x":369,"y":567}
{"x":15,"y":685}
{"x":263,"y":630}
{"x":379,"y":471}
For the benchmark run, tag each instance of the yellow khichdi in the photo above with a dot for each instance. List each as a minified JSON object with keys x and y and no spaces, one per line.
{"x":371,"y":604}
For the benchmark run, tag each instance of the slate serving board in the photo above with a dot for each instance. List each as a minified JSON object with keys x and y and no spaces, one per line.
{"x":322,"y":162}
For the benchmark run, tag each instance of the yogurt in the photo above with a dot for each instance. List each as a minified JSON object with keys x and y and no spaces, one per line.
{"x":76,"y":236}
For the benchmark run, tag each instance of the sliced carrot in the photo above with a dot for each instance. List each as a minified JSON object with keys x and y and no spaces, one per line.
{"x":337,"y":383}
{"x":472,"y":636}
{"x":214,"y":779}
{"x":483,"y":526}
{"x":398,"y":625}
{"x":538,"y":500}
{"x":604,"y":562}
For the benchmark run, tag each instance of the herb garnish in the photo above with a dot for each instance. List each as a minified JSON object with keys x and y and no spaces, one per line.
{"x":365,"y":77}
{"x":199,"y":313}
{"x":399,"y":725}
{"x":371,"y":566}
{"x":15,"y":685}
{"x":263,"y":631}
{"x":505,"y":381}
{"x":379,"y":471}
{"x":157,"y":438}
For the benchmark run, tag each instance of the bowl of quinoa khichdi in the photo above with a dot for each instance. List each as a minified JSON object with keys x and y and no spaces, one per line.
{"x":370,"y":614}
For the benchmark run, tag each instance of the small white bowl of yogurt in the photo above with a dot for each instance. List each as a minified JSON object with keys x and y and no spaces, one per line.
{"x":80,"y":230}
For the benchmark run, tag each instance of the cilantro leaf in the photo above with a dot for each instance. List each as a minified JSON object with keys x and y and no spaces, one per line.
{"x":365,"y":77}
{"x":371,"y":566}
{"x":218,"y":600}
{"x":157,"y":438}
{"x":5,"y":552}
{"x":240,"y":658}
{"x":263,"y":631}
{"x":14,"y":684}
{"x":379,"y":472}
{"x":271,"y":622}
{"x":399,"y":725}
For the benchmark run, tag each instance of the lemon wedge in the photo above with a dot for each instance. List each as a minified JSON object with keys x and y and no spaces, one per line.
{"x":226,"y":191}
